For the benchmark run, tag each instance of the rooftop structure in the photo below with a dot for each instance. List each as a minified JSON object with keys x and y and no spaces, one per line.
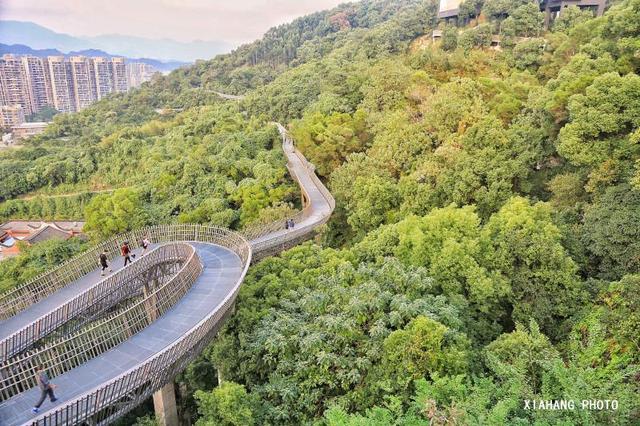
{"x":449,"y":8}
{"x":32,"y":232}
{"x":552,"y":8}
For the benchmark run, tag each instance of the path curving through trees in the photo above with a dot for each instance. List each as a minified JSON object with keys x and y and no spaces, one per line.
{"x":109,"y":343}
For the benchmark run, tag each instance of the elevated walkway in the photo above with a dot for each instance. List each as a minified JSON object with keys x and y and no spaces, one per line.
{"x":126,"y":356}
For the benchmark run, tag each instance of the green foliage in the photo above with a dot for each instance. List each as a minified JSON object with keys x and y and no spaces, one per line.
{"x":34,"y":260}
{"x":571,"y":16}
{"x":528,"y":20}
{"x":522,"y":242}
{"x":450,"y":38}
{"x":479,"y":36}
{"x":470,"y":9}
{"x":109,"y":215}
{"x":227,"y":405}
{"x":528,"y":54}
{"x":611,"y":232}
{"x":146,"y":421}
{"x":424,"y":348}
{"x":497,"y":9}
{"x":600,"y":120}
{"x":441,"y":159}
{"x":46,"y":114}
{"x":327,"y":140}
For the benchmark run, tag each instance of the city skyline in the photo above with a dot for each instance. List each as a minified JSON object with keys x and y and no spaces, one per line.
{"x":66,"y":84}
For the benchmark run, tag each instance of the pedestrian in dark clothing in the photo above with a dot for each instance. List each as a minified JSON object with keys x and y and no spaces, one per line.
{"x":126,"y":253}
{"x":292,"y":224}
{"x":46,"y":388}
{"x":104,"y":263}
{"x":286,"y":224}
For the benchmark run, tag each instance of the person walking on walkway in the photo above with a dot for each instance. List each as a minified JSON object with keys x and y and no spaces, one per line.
{"x":126,"y":253}
{"x":46,"y":388}
{"x":145,"y":245}
{"x":104,"y":263}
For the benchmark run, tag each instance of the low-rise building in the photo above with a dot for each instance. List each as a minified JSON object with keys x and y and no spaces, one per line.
{"x":32,"y":232}
{"x":26,"y":130}
{"x":11,"y":115}
{"x":450,"y":9}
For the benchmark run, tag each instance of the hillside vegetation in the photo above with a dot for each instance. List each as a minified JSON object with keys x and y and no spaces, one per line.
{"x":484,"y":249}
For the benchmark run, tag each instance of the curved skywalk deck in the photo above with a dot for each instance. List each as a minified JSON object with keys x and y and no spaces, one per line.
{"x":101,"y":389}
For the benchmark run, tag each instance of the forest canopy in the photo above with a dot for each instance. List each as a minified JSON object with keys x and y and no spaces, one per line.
{"x":484,"y":249}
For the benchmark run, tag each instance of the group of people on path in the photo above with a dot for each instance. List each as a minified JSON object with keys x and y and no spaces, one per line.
{"x":289,"y":224}
{"x":126,"y":253}
{"x":46,"y":387}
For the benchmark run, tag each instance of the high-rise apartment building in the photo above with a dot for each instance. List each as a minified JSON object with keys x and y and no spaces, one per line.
{"x":104,"y":78}
{"x":119,"y":75}
{"x":84,"y":82}
{"x":138,"y":73}
{"x":13,"y":83}
{"x":68,"y":85}
{"x":38,"y":85}
{"x":61,"y":80}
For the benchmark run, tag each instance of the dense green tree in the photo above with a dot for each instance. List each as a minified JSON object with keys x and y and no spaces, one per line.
{"x":34,"y":260}
{"x":327,"y":140}
{"x":449,"y":38}
{"x":570,"y":17}
{"x":522,"y":242}
{"x":528,"y":54}
{"x":600,"y":120}
{"x":227,"y":405}
{"x":610,"y":232}
{"x":108,"y":215}
{"x":498,"y":9}
{"x":528,"y":20}
{"x":470,"y":9}
{"x":423,"y":348}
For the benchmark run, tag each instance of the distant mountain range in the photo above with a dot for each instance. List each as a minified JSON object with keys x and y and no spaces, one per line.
{"x":39,"y":37}
{"x":21,"y":49}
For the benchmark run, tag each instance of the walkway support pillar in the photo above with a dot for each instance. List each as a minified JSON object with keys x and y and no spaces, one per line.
{"x":164,"y":400}
{"x":164,"y":403}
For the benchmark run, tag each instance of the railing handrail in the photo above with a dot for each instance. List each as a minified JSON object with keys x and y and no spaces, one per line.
{"x":128,"y":388}
{"x":177,"y":354}
{"x":19,"y":374}
{"x":49,"y":322}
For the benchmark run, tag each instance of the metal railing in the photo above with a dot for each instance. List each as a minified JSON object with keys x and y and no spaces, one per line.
{"x":108,"y":401}
{"x":71,"y":351}
{"x":115,"y":397}
{"x":95,"y":299}
{"x":49,"y":282}
{"x":256,"y":235}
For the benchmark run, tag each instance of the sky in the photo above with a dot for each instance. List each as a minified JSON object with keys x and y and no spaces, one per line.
{"x":233,"y":21}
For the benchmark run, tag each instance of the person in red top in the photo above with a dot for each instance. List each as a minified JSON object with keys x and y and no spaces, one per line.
{"x":126,"y":253}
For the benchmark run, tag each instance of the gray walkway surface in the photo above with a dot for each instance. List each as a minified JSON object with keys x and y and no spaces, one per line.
{"x":320,"y":208}
{"x":60,"y":297}
{"x":222,"y":270}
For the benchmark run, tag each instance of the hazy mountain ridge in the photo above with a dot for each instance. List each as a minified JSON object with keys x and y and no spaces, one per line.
{"x":39,"y":37}
{"x":21,"y":49}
